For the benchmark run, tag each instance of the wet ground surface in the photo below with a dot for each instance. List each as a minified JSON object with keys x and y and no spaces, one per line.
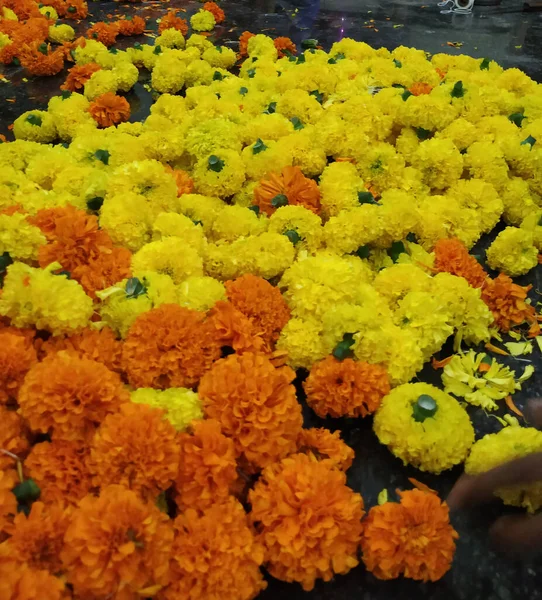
{"x":503,"y":33}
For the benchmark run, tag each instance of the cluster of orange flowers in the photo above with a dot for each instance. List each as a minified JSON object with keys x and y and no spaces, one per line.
{"x":284,"y":45}
{"x":107,"y":33}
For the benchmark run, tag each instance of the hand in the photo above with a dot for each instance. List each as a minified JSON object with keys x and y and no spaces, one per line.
{"x":514,"y":534}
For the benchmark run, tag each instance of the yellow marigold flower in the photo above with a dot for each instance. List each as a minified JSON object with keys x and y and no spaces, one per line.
{"x":306,"y":149}
{"x":70,"y":115}
{"x":35,"y":126}
{"x":262,"y":46}
{"x":518,"y":201}
{"x":220,"y":56}
{"x":439,"y":161}
{"x":168,"y":74}
{"x":60,"y":33}
{"x":221,"y":174}
{"x":200,"y":293}
{"x":532,"y":224}
{"x":234,"y":222}
{"x":101,"y":82}
{"x":180,"y":405}
{"x":303,"y":342}
{"x":485,"y":160}
{"x":300,"y":225}
{"x":201,"y":208}
{"x":461,"y":132}
{"x":126,"y":74}
{"x":394,"y":282}
{"x":399,"y":216}
{"x":18,"y":238}
{"x":513,"y":252}
{"x":168,"y":225}
{"x":265,"y":156}
{"x":424,"y":427}
{"x":482,"y":197}
{"x":170,"y":38}
{"x":352,"y":229}
{"x":169,"y":256}
{"x":127,"y":218}
{"x":89,"y":52}
{"x":427,"y":111}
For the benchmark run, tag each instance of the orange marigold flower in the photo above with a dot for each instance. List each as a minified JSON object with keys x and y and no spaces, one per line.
{"x":102,"y":272}
{"x":38,"y":59}
{"x":231,"y":328}
{"x":185,"y":184}
{"x":60,"y":468}
{"x":17,"y":356}
{"x":8,"y":504}
{"x":256,"y":406}
{"x":136,"y":448}
{"x":68,"y":396}
{"x":207,"y":467}
{"x":12,"y":437}
{"x":172,"y":21}
{"x":106,"y":33}
{"x":38,"y":538}
{"x":262,"y":303}
{"x":215,"y":555}
{"x":284,"y":45}
{"x":452,"y":256}
{"x":326,"y":446}
{"x":116,"y":544}
{"x":345,"y":388}
{"x":99,"y":345}
{"x":419,"y":88}
{"x":243,"y":42}
{"x":289,"y":186}
{"x":506,"y":300}
{"x":413,"y":538}
{"x":131,"y":26}
{"x":169,"y":346}
{"x":76,"y":9}
{"x":109,"y":109}
{"x":78,"y":75}
{"x":308,"y":519}
{"x":215,"y":10}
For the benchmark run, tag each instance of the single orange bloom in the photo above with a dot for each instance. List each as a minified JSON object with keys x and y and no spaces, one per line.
{"x":68,"y":47}
{"x":169,"y":346}
{"x":346,"y":388}
{"x":243,"y":43}
{"x":133,"y":26}
{"x":288,"y":187}
{"x":60,"y":468}
{"x":262,"y":303}
{"x":120,"y":537}
{"x":256,"y":406}
{"x":109,"y":109}
{"x":76,"y":9}
{"x":17,"y":356}
{"x":308,"y":519}
{"x":8,"y":504}
{"x":12,"y":437}
{"x":185,"y":184}
{"x":419,"y":89}
{"x":171,"y":21}
{"x":38,"y":59}
{"x":136,"y":448}
{"x":9,"y":53}
{"x":38,"y":538}
{"x":215,"y":555}
{"x":111,"y":266}
{"x":78,"y":75}
{"x":506,"y":300}
{"x":106,"y":33}
{"x":413,"y":538}
{"x":215,"y":10}
{"x":326,"y":447}
{"x":69,"y":396}
{"x":285,"y":45}
{"x":207,"y":466}
{"x":231,"y":328}
{"x":452,"y":256}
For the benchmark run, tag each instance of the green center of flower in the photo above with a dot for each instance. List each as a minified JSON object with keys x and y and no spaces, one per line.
{"x":215,"y":163}
{"x":425,"y":407}
{"x":279,"y":200}
{"x":343,"y":348}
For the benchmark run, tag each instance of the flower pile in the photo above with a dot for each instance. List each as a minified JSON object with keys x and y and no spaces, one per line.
{"x":284,"y":226}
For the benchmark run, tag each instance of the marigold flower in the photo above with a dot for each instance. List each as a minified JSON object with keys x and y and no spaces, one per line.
{"x":232,"y":329}
{"x":132,"y":26}
{"x":413,"y":538}
{"x":243,"y":42}
{"x":452,"y":256}
{"x":345,"y":388}
{"x":285,"y":45}
{"x":120,"y":537}
{"x":78,"y":75}
{"x":171,"y":21}
{"x":185,"y":183}
{"x":8,"y":502}
{"x":215,"y":555}
{"x":181,"y":406}
{"x":308,"y":519}
{"x":38,"y":59}
{"x":60,"y":469}
{"x":256,"y":406}
{"x":17,"y":356}
{"x":107,"y":269}
{"x":289,"y":186}
{"x":506,"y":300}
{"x":419,"y":88}
{"x":207,"y":467}
{"x":215,"y":10}
{"x":261,"y":303}
{"x":169,"y":346}
{"x":326,"y":446}
{"x":12,"y":437}
{"x":105,"y":33}
{"x":77,"y":9}
{"x":136,"y":448}
{"x":109,"y":109}
{"x":68,"y":396}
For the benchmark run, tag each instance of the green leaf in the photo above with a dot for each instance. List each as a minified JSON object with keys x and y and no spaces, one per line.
{"x":296,"y":122}
{"x":487,"y":360}
{"x":331,"y":61}
{"x":279,"y":200}
{"x":215,"y":164}
{"x":271,"y":109}
{"x":301,"y":59}
{"x":95,"y":203}
{"x":255,"y":209}
{"x":217,"y":76}
{"x":397,"y":63}
{"x":366,"y":198}
{"x":197,"y":222}
{"x":406,"y":95}
{"x":27,"y":491}
{"x":293,"y":236}
{"x":395,"y":250}
{"x":424,"y":408}
{"x":157,"y":49}
{"x":517,"y":118}
{"x":103,"y":156}
{"x":339,"y":56}
{"x":258,"y":147}
{"x":113,"y":51}
{"x":134,"y":288}
{"x":310,"y":43}
{"x":318,"y":95}
{"x":423,"y":134}
{"x":411,"y":237}
{"x":34,"y":120}
{"x":43,"y":48}
{"x":65,"y":94}
{"x":484,"y":65}
{"x":363,"y":251}
{"x":16,"y":62}
{"x":66,"y":274}
{"x":243,"y":91}
{"x":342,"y":349}
{"x":218,"y":49}
{"x":458,"y":91}
{"x":251,"y":73}
{"x":531,"y":141}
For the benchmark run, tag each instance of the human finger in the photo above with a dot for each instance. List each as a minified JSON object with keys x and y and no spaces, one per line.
{"x":533,"y":413}
{"x":517,"y":535}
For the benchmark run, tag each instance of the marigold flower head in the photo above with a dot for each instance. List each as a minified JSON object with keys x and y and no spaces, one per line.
{"x":345,"y":388}
{"x":215,"y":10}
{"x":68,"y":396}
{"x":12,"y":437}
{"x":452,"y":256}
{"x":326,"y":446}
{"x":17,"y":356}
{"x":171,"y":21}
{"x":105,"y":33}
{"x":215,"y":555}
{"x":289,"y":186}
{"x":285,"y":45}
{"x":109,"y":109}
{"x":8,"y":502}
{"x":185,"y":184}
{"x":207,"y":466}
{"x":38,"y":59}
{"x":78,"y":75}
{"x":169,"y":346}
{"x":120,"y":537}
{"x":413,"y":538}
{"x":293,"y":504}
{"x":256,"y":406}
{"x":60,"y":469}
{"x":243,"y":42}
{"x":261,"y":303}
{"x":98,"y":274}
{"x":420,"y":88}
{"x":232,"y":329}
{"x":132,"y":26}
{"x":136,"y":448}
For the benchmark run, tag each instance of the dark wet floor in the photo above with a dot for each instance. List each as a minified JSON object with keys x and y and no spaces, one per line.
{"x":503,"y":33}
